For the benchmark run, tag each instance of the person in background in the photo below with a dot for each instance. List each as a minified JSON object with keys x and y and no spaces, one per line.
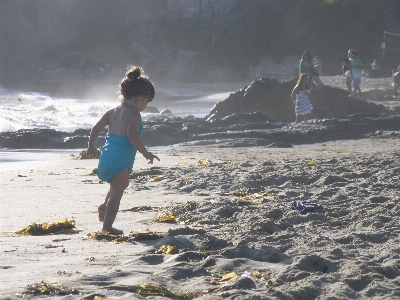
{"x":374,"y":69}
{"x":306,"y":66}
{"x":346,"y":65}
{"x":356,"y":69}
{"x":300,"y":97}
{"x":122,"y":142}
{"x":396,"y":80}
{"x":396,"y":70}
{"x":317,"y":62}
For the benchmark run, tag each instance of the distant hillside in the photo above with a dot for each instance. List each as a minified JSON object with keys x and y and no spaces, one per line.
{"x":192,"y":40}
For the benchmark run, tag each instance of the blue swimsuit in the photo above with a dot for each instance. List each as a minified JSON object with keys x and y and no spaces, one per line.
{"x":118,"y":153}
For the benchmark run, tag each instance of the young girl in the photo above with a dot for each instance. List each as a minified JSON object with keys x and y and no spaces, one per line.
{"x":306,"y":65}
{"x":300,"y":98}
{"x":122,"y":142}
{"x":356,"y":70}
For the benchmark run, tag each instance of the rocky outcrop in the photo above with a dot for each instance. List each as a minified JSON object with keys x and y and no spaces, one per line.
{"x":252,"y":129}
{"x":273,"y":98}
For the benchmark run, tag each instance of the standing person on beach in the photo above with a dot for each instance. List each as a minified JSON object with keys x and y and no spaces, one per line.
{"x":374,"y":69}
{"x":317,"y":62}
{"x":356,"y":70}
{"x":306,"y":65}
{"x":346,"y":65}
{"x":122,"y":142}
{"x":300,"y":97}
{"x":396,"y":79}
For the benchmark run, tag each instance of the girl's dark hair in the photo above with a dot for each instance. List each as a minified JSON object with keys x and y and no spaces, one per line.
{"x":136,"y":84}
{"x":302,"y":78}
{"x":306,"y":53}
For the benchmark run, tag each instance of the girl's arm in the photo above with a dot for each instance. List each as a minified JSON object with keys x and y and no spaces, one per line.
{"x":136,"y":141}
{"x":91,"y":150}
{"x":294,"y":93}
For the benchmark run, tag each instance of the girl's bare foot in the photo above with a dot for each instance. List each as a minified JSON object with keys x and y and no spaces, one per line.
{"x":113,"y":230}
{"x":102,"y":211}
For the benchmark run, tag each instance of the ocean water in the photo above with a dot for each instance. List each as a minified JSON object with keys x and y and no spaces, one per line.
{"x":29,"y":110}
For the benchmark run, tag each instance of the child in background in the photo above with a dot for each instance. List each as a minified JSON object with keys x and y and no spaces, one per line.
{"x":374,"y":69}
{"x":306,"y":66}
{"x":346,"y":64}
{"x":122,"y":142}
{"x":356,"y":69}
{"x":300,"y":95}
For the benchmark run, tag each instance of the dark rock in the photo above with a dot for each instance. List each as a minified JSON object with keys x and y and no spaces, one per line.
{"x":151,"y":109}
{"x":273,"y":98}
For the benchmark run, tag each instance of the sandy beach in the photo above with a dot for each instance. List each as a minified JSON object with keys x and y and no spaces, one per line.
{"x":240,"y":222}
{"x":238,"y":230}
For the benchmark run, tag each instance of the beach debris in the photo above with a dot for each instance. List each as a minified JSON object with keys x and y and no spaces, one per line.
{"x":168,"y":249}
{"x":90,"y":259}
{"x":255,"y":198}
{"x":239,"y":192}
{"x":174,"y":213}
{"x":149,"y":289}
{"x":142,"y":208}
{"x":204,"y":162}
{"x":48,"y":246}
{"x":156,"y":178}
{"x":165,"y":216}
{"x":43,"y":288}
{"x":183,"y":182}
{"x":304,"y":207}
{"x":67,"y":273}
{"x":119,"y":238}
{"x":229,"y":276}
{"x":310,"y":163}
{"x":256,"y":275}
{"x":173,"y":154}
{"x":52,"y":173}
{"x":83,"y":154}
{"x":93,"y":173}
{"x":61,"y":226}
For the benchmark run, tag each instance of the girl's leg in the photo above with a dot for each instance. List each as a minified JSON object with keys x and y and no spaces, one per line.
{"x":117,"y":186}
{"x":348,"y":85}
{"x":102,"y":207}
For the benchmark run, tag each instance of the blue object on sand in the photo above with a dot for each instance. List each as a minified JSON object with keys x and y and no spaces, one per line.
{"x":304,"y":207}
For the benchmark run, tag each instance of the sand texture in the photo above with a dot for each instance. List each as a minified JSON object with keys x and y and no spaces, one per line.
{"x":236,"y":236}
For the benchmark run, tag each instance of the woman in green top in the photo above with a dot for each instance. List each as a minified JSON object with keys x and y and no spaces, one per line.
{"x":306,"y":66}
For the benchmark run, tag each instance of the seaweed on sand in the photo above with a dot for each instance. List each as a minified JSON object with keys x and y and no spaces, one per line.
{"x":119,"y":238}
{"x":43,"y":288}
{"x":61,"y":226}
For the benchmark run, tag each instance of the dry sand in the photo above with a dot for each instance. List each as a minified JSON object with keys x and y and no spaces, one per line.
{"x":348,"y":249}
{"x":234,"y":216}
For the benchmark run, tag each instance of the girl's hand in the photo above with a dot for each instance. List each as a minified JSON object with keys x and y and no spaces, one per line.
{"x":91,"y":153}
{"x":150,"y":157}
